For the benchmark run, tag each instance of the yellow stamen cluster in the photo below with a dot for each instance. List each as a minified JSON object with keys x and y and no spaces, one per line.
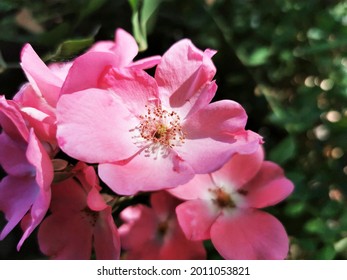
{"x":159,"y":126}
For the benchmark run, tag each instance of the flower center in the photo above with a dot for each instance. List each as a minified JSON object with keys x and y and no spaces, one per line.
{"x":160,"y":129}
{"x":222,"y":198}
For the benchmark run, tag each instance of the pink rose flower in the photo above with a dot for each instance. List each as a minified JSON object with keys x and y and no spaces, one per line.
{"x":223,"y":206}
{"x":153,"y":233}
{"x":29,"y":169}
{"x":152,"y":133}
{"x":80,"y":220}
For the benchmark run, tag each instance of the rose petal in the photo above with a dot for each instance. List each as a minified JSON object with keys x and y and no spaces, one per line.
{"x":40,"y":76}
{"x":92,"y":65}
{"x":196,"y":218}
{"x":66,"y":236}
{"x":196,"y":188}
{"x":268,"y":187}
{"x":136,"y":88}
{"x":146,"y":173}
{"x":239,"y":169}
{"x":250,"y":235}
{"x":106,"y":238}
{"x":182,"y":72}
{"x":93,"y":126}
{"x":17,"y":194}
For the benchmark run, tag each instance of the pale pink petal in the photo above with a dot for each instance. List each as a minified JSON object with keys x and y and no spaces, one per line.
{"x":106,"y":238}
{"x":146,"y":173}
{"x":249,"y":235}
{"x":219,"y":120}
{"x":40,"y":76}
{"x":86,"y":71}
{"x":43,"y":124}
{"x":206,"y":155}
{"x":239,"y":169}
{"x":196,"y":188}
{"x":66,"y":236}
{"x":268,"y":187}
{"x":102,"y":46}
{"x":27,"y":97}
{"x":196,"y":218}
{"x":93,"y":126}
{"x":125,"y":48}
{"x":60,"y":69}
{"x":146,"y":63}
{"x":136,"y":88}
{"x":182,"y":72}
{"x":17,"y":194}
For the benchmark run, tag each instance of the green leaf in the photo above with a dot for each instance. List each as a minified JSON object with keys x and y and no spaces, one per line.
{"x":71,"y":48}
{"x":284,"y":151}
{"x":258,"y":57}
{"x":295,"y":209}
{"x":143,"y":12}
{"x":327,"y":253}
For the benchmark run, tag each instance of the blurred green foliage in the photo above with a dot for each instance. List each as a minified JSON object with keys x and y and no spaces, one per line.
{"x":285,"y":61}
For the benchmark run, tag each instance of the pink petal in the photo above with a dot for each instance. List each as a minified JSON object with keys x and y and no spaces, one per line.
{"x":139,"y":227}
{"x":205,"y":155}
{"x":268,"y":187}
{"x":125,"y":48}
{"x":136,"y":88}
{"x":11,"y":120}
{"x":146,"y":63}
{"x":93,"y":126}
{"x":219,"y":120}
{"x":17,"y":194}
{"x":68,"y":196}
{"x":12,"y":157}
{"x":38,"y":157}
{"x":249,"y":235}
{"x":66,"y":236}
{"x":182,"y":72}
{"x":239,"y":169}
{"x":106,"y":238}
{"x":27,"y":97}
{"x":196,"y":218}
{"x":60,"y":69}
{"x":40,"y":76}
{"x":92,"y":65}
{"x":196,"y":188}
{"x":178,"y":247}
{"x":137,"y":174}
{"x":163,"y":204}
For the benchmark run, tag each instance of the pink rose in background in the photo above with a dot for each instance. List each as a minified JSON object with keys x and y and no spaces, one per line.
{"x":223,"y":206}
{"x":80,"y":220}
{"x":148,"y":134}
{"x":26,"y":189}
{"x":154,"y":234}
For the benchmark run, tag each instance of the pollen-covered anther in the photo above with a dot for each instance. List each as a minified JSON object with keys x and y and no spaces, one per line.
{"x":162,"y":127}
